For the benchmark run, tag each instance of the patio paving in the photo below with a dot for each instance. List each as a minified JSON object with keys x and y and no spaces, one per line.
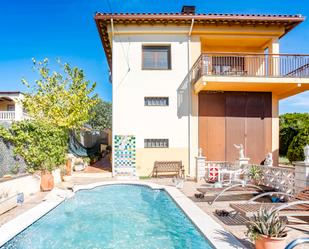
{"x":29,"y":203}
{"x":296,"y":229}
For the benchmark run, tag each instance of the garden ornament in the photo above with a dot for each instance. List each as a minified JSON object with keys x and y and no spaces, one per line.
{"x":240,"y":148}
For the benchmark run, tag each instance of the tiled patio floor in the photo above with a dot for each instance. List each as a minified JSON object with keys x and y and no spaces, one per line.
{"x":28,"y":204}
{"x":297,"y":228}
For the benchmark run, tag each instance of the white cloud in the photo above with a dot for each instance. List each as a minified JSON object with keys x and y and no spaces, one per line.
{"x":297,"y":103}
{"x":301,"y":100}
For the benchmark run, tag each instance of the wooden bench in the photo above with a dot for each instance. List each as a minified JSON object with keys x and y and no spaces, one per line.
{"x":170,"y":167}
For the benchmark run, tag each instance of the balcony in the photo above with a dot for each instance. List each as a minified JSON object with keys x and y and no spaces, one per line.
{"x":10,"y":116}
{"x":251,"y":72}
{"x":7,"y":115}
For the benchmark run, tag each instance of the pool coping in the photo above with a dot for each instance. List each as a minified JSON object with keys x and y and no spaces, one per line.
{"x":213,"y":231}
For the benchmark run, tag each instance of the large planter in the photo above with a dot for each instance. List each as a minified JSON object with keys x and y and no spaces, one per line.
{"x":264,"y":242}
{"x":68,"y":167}
{"x":47,"y":181}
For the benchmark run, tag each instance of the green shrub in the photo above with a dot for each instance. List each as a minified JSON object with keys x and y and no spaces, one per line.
{"x":291,"y":124}
{"x":43,"y":146}
{"x":285,"y":138}
{"x":296,"y":148}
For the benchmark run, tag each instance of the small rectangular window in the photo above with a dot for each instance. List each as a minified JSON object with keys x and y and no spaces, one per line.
{"x":156,"y":57}
{"x":156,"y":101}
{"x":156,"y":143}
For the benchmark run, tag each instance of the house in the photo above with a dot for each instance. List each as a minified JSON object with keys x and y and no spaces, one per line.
{"x":184,"y":81}
{"x":10,"y":106}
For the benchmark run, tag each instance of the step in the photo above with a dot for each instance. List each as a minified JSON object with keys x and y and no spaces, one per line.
{"x":93,"y":175}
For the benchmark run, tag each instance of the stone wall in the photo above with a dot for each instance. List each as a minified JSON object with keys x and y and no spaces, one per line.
{"x":9,"y":163}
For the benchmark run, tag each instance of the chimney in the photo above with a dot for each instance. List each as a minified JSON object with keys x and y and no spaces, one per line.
{"x":188,"y":10}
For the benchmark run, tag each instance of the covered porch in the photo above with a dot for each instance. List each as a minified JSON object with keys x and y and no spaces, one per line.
{"x":11,"y":107}
{"x":233,"y":98}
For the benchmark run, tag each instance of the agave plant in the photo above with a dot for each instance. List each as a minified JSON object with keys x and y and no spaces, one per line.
{"x":266,"y":222}
{"x":255,"y":173}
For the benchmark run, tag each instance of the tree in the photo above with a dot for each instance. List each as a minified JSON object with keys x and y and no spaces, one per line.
{"x":291,"y":124}
{"x":61,"y":99}
{"x":296,"y":148}
{"x":101,"y":115}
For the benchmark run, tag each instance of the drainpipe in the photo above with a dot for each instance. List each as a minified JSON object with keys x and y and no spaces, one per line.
{"x":189,"y":98}
{"x":112,"y":81}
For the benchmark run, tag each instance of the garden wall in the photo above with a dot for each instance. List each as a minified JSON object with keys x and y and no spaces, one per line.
{"x":9,"y":163}
{"x":27,"y":184}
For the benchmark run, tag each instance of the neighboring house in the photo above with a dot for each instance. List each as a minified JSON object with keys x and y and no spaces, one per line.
{"x":184,"y":81}
{"x":10,"y":106}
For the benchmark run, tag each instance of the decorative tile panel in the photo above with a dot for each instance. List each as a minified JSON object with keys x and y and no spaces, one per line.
{"x":125,"y":155}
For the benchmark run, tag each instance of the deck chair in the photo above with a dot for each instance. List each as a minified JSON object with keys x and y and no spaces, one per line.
{"x":298,"y":205}
{"x":242,"y":185}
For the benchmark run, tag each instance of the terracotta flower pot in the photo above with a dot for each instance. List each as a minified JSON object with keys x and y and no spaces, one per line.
{"x":47,"y":181}
{"x":264,"y":242}
{"x":68,"y":167}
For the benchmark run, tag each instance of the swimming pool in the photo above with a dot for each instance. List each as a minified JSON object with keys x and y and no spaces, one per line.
{"x":114,"y":216}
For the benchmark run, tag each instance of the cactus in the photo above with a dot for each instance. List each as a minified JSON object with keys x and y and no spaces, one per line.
{"x":266,"y":222}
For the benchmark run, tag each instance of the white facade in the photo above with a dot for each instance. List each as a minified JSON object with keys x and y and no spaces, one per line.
{"x":11,"y":108}
{"x":131,"y":84}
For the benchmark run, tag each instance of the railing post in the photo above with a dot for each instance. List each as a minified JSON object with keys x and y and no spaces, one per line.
{"x":302,"y":172}
{"x":301,"y":176}
{"x":200,"y":166}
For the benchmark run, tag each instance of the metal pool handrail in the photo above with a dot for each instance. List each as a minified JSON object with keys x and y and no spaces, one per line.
{"x":234,"y":186}
{"x":297,"y":242}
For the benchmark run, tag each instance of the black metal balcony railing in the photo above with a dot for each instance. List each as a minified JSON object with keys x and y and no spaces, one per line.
{"x":250,"y":65}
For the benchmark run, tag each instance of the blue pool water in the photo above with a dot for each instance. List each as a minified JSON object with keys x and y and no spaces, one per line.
{"x":113,"y":217}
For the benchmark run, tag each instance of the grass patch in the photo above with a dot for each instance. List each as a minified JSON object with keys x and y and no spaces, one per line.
{"x":284,"y":161}
{"x":144,"y":177}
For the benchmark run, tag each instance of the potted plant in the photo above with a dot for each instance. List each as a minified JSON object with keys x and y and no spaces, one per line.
{"x":79,"y":164}
{"x":86,"y":161}
{"x":267,"y":230}
{"x":255,"y":174}
{"x":47,"y":180}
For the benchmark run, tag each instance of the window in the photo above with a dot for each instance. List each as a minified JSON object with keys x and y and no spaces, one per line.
{"x":11,"y":108}
{"x":156,"y":143}
{"x":156,"y":57}
{"x":223,"y":65}
{"x":156,"y":101}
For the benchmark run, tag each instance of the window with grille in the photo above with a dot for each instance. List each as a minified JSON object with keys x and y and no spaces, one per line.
{"x":156,"y":57}
{"x":156,"y":101}
{"x":156,"y":143}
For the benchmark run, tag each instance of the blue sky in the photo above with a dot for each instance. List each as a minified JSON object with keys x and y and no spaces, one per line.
{"x":65,"y":29}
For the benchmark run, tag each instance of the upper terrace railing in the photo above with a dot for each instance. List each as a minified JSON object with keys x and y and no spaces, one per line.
{"x":279,"y":178}
{"x":7,"y":115}
{"x":250,"y":65}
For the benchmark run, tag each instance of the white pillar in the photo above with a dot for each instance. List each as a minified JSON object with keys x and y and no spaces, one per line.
{"x":302,"y":172}
{"x":301,"y":176}
{"x":274,"y":61}
{"x":242,"y":161}
{"x":200,"y":167}
{"x":18,"y":110}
